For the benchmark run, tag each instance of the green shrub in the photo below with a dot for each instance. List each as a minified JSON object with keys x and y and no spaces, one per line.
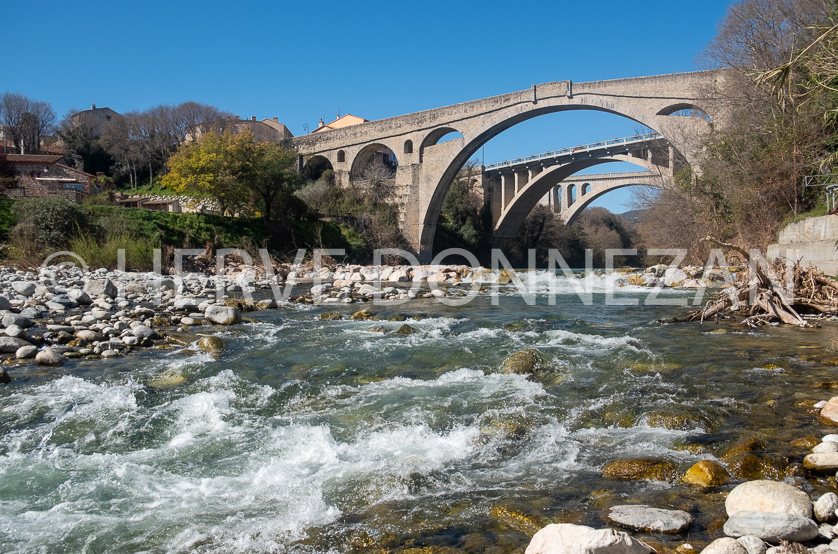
{"x":45,"y":223}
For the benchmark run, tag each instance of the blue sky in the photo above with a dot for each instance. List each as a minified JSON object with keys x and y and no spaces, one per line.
{"x":300,"y":61}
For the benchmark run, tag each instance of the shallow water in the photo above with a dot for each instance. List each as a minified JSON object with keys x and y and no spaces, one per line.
{"x":316,"y":436}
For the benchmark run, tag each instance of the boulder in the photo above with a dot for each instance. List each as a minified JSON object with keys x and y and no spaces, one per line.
{"x":9,"y":345}
{"x":824,"y":461}
{"x":100,"y":287}
{"x":211,"y":344}
{"x":330,"y":316}
{"x":5,"y":378}
{"x":565,"y":538}
{"x":725,"y":545}
{"x":24,"y":288}
{"x":824,"y":447}
{"x":707,"y":474}
{"x":362,"y":315}
{"x":26,"y":352}
{"x":90,"y":335}
{"x":654,"y":469}
{"x":771,"y":526}
{"x":523,"y":361}
{"x":406,"y":330}
{"x":825,"y":507}
{"x":16,"y":319}
{"x":144,"y":332}
{"x":674,"y":276}
{"x":223,"y":315}
{"x":186,"y":303}
{"x":754,"y":545}
{"x":651,"y":520}
{"x":829,"y":413}
{"x":768,"y":496}
{"x":49,"y":357}
{"x":18,"y":332}
{"x":5,"y":304}
{"x":79,"y":297}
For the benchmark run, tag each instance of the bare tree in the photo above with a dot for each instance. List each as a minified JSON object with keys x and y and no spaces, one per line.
{"x":26,"y":121}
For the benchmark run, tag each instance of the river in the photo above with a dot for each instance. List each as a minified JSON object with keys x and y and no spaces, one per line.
{"x":334,"y":436}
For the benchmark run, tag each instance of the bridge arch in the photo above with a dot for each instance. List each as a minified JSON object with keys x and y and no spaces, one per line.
{"x":373,"y":155}
{"x":575,"y":197}
{"x":315,"y":166}
{"x":435,"y":137}
{"x":685,"y":107}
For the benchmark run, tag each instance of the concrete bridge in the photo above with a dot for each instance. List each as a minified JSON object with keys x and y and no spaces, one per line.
{"x":427,"y":166}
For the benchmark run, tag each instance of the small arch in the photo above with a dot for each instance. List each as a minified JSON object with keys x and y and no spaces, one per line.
{"x":408,"y":146}
{"x":571,"y":194}
{"x":436,"y":137}
{"x":586,"y":188}
{"x":341,"y":156}
{"x":315,"y":167}
{"x":684,"y":109}
{"x":374,"y":157}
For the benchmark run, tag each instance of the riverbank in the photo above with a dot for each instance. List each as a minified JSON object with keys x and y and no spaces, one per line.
{"x":339,"y":433}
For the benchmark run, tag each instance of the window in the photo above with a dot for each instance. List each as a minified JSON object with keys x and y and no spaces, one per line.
{"x":408,"y":147}
{"x":341,"y":156}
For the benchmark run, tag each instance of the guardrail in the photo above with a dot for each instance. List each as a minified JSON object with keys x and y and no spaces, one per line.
{"x":580,"y":148}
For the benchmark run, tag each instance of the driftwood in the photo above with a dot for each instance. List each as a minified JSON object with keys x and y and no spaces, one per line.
{"x":760,"y":300}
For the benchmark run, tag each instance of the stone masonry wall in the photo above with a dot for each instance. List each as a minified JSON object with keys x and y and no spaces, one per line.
{"x":812,"y":241}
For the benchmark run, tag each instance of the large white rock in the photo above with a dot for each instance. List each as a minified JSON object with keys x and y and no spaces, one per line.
{"x":222,"y":315}
{"x":566,"y":538}
{"x":11,"y":344}
{"x":49,"y":357}
{"x":830,"y":411}
{"x":99,"y":287}
{"x":754,"y":545}
{"x":673,"y":276}
{"x":825,"y":507}
{"x":645,"y":518}
{"x":771,"y":526}
{"x":725,"y":545}
{"x":768,"y":496}
{"x":24,"y":288}
{"x":824,"y":461}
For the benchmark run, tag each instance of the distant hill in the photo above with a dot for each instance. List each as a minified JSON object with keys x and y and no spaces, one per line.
{"x":633,"y":216}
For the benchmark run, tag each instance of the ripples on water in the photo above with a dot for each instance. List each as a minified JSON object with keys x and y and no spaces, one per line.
{"x":315,"y":436}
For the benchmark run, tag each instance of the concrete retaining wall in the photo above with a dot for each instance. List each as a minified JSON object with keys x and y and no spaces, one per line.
{"x":813,"y":241}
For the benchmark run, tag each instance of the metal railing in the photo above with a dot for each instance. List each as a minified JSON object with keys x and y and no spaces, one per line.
{"x":580,"y":148}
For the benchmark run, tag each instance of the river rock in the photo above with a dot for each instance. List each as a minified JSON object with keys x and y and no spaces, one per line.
{"x":406,"y":329}
{"x":725,"y":545}
{"x":16,"y":319}
{"x":11,"y":344}
{"x":49,"y":357}
{"x":15,"y":331}
{"x":24,"y":288}
{"x":707,"y":474}
{"x":768,"y":496}
{"x":565,"y":538}
{"x":90,"y":335}
{"x":825,"y":461}
{"x":79,"y":297}
{"x":645,"y":518}
{"x":654,"y":469}
{"x":5,"y":304}
{"x":362,"y":315}
{"x":673,"y":276}
{"x":752,"y":544}
{"x":330,"y":316}
{"x":100,"y":287}
{"x":825,"y":507}
{"x":186,"y":303}
{"x":26,"y":352}
{"x":771,"y":526}
{"x":824,"y":447}
{"x":223,"y":315}
{"x":829,"y":413}
{"x":211,"y":344}
{"x":523,"y":362}
{"x":144,"y":332}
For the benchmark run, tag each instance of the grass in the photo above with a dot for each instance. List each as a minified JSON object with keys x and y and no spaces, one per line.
{"x":817,"y":211}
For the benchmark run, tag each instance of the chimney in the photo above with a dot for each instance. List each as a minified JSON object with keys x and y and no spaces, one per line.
{"x":276,"y":120}
{"x":252,"y":118}
{"x":93,"y":106}
{"x":237,"y":117}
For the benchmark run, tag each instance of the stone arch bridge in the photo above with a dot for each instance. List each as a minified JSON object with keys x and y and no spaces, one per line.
{"x":676,"y":106}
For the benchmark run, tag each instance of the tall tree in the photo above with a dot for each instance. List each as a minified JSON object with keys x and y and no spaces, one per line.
{"x":26,"y":121}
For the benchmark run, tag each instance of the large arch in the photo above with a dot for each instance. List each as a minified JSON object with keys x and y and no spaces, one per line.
{"x":502,"y":121}
{"x":315,"y":166}
{"x":434,"y":137}
{"x":376,"y":154}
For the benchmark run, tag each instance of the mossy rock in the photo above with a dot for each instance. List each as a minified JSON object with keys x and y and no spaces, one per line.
{"x":523,"y":362}
{"x":406,"y":330}
{"x":752,"y":467}
{"x":362,"y":315}
{"x":516,"y":520}
{"x":180,"y":340}
{"x":376,"y":330}
{"x":620,"y":418}
{"x":397,"y":317}
{"x":169,"y":379}
{"x":751,"y":444}
{"x":707,"y":474}
{"x":516,"y":326}
{"x":829,"y":361}
{"x":431,"y":550}
{"x":673,"y":420}
{"x":210,"y":343}
{"x":805,"y":443}
{"x":829,"y":385}
{"x":635,"y":469}
{"x":330,"y":316}
{"x":160,"y":321}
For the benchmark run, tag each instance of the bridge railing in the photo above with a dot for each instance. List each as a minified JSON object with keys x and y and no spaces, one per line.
{"x":580,"y":148}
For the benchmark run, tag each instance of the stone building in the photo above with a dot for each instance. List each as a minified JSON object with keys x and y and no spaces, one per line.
{"x":347,"y":120}
{"x":95,"y":118}
{"x":48,"y":175}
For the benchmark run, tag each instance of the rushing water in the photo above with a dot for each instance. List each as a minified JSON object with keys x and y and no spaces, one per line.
{"x":316,"y":436}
